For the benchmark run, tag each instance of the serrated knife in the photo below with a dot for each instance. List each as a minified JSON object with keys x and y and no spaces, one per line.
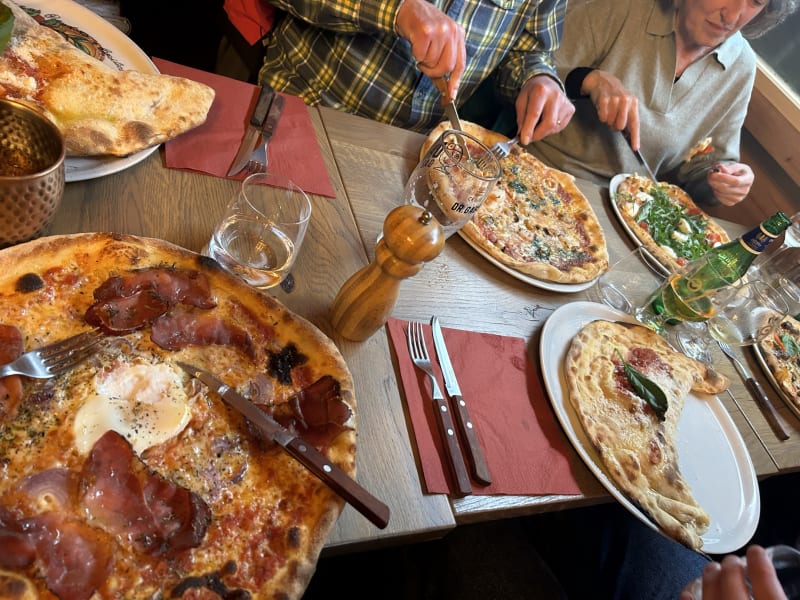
{"x":477,"y":461}
{"x":341,"y":483}
{"x":253,"y":132}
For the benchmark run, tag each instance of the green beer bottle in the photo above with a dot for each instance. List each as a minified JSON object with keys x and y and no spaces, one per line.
{"x":719,"y":267}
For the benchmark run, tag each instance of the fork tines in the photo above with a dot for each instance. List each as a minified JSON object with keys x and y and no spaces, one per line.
{"x":69,"y":352}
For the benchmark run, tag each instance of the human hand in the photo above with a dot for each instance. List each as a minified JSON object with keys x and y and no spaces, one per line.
{"x":616,"y":106}
{"x":542,"y":109}
{"x":437,"y":42}
{"x":730,"y":182}
{"x":728,"y":580}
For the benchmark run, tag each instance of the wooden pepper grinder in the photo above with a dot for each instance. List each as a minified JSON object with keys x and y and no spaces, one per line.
{"x":411,"y":237}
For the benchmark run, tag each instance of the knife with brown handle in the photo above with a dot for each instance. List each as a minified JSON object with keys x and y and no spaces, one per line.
{"x":477,"y":461}
{"x":316,"y":462}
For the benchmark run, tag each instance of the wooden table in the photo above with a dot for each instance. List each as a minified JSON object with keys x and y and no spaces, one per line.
{"x":368,"y":163}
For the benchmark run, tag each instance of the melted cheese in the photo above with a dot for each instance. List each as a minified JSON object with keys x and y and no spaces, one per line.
{"x":144,"y":403}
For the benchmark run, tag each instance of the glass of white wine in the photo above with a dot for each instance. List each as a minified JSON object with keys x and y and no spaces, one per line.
{"x":260,"y":233}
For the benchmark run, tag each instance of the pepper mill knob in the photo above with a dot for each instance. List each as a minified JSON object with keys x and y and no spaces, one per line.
{"x":411,"y":237}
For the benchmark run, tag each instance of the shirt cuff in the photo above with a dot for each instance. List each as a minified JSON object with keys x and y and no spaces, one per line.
{"x":574,"y":82}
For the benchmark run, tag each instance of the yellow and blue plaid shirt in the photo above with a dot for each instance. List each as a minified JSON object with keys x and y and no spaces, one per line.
{"x":346,"y":54}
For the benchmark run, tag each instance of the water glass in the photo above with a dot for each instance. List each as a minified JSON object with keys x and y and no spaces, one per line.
{"x":453,"y":179}
{"x":747,"y":314}
{"x":262,"y":230}
{"x":629,"y":282}
{"x":792,"y":235}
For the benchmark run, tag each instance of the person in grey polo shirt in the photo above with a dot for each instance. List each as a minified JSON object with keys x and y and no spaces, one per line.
{"x":666,"y":74}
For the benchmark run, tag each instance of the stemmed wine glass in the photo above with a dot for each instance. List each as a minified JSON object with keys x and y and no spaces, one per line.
{"x":743,"y":315}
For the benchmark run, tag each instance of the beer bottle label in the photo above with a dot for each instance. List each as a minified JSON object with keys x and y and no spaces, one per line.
{"x":757,"y":240}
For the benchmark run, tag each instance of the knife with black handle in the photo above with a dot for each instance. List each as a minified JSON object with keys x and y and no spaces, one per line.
{"x":477,"y":461}
{"x":316,"y":462}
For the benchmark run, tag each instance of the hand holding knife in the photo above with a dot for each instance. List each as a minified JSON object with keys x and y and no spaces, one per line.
{"x":316,"y":462}
{"x":477,"y":461}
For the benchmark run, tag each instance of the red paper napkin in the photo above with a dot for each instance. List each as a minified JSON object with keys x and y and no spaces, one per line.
{"x":524,"y":446}
{"x":211,"y":147}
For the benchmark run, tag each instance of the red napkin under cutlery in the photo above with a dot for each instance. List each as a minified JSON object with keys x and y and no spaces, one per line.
{"x":525,"y":448}
{"x":211,"y":147}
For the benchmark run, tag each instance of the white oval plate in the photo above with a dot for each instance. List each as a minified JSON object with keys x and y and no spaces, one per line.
{"x":545,"y":285}
{"x":712,"y":455}
{"x":121,"y":53}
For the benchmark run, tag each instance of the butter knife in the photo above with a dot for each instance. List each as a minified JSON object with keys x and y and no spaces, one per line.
{"x":640,"y":158}
{"x":477,"y":461}
{"x":756,"y":391}
{"x":316,"y":462}
{"x":265,"y":96}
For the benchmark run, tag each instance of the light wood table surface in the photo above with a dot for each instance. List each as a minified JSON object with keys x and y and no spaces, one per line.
{"x":368,"y":163}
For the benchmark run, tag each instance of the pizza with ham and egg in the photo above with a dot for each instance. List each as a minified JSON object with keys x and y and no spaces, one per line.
{"x":98,"y":109}
{"x":628,"y":388}
{"x":126,"y":478}
{"x":536,"y":220}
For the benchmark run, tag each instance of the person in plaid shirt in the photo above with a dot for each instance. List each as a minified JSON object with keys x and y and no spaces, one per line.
{"x":376,"y":58}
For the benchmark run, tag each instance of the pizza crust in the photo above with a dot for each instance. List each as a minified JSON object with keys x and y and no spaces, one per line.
{"x":545,"y":229}
{"x":636,"y":449}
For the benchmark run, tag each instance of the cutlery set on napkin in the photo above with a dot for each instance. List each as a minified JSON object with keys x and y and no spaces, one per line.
{"x":509,"y":417}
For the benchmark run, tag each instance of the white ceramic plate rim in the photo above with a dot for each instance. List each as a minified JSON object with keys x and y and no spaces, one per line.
{"x":546,"y":285}
{"x":762,"y":361}
{"x":125,"y":54}
{"x":712,"y":455}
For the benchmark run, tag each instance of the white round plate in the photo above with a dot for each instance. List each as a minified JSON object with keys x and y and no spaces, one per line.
{"x":121,"y":53}
{"x":712,"y":455}
{"x":545,"y":285}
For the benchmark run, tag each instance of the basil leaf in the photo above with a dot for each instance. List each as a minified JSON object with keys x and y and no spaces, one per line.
{"x":6,"y":26}
{"x":791,"y":345}
{"x":645,"y":388}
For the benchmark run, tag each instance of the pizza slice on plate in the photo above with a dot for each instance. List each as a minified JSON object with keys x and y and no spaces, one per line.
{"x":628,"y":388}
{"x":100,"y":111}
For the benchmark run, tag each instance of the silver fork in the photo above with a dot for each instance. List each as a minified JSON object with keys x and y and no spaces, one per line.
{"x":421,"y":358}
{"x":259,"y":159}
{"x":501,"y":149}
{"x":48,"y":361}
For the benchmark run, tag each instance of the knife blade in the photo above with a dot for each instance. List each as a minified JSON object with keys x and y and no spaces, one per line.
{"x":330,"y":474}
{"x":265,"y":96}
{"x":270,"y":123}
{"x":448,"y":103}
{"x":640,"y":158}
{"x":757,"y":392}
{"x":477,"y":461}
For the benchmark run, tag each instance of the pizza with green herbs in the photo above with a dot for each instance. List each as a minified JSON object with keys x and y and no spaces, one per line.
{"x":781,"y":352}
{"x":666,"y":220}
{"x":536,"y":220}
